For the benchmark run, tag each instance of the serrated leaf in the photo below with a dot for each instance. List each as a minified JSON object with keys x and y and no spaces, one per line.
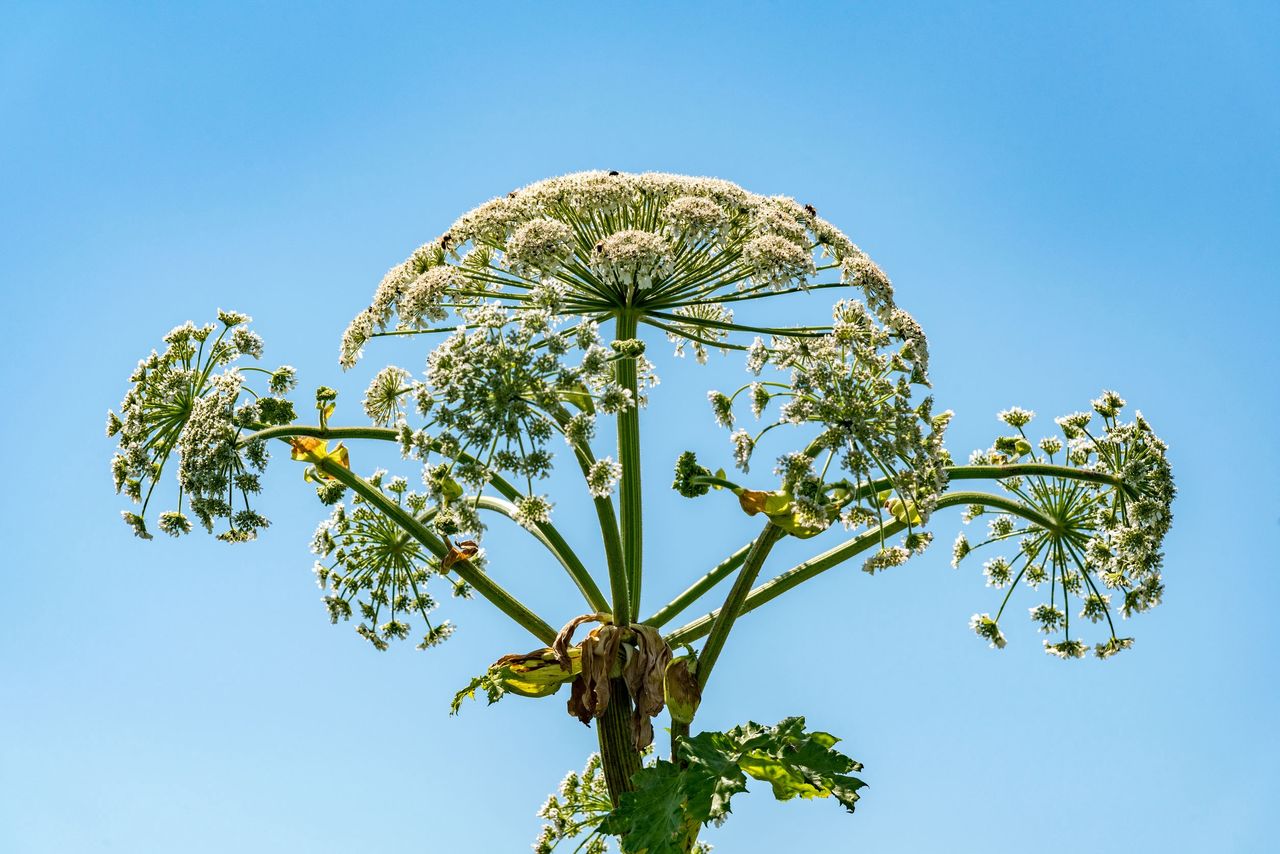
{"x":655,"y":818}
{"x":714,"y":756}
{"x":799,"y":764}
{"x":662,"y":815}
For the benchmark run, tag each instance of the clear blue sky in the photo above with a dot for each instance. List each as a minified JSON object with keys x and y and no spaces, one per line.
{"x":1071,"y":198}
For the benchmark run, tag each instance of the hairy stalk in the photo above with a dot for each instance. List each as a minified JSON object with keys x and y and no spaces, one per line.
{"x":284,"y":431}
{"x":554,"y":543}
{"x":1030,"y":470}
{"x":545,"y":532}
{"x":806,"y":570}
{"x":664,"y":614}
{"x":618,"y":755}
{"x":612,"y":540}
{"x":629,"y":496}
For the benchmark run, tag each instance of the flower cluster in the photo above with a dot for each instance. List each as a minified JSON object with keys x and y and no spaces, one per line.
{"x":576,"y":810}
{"x":194,"y":400}
{"x":371,"y":565}
{"x":580,"y":805}
{"x":655,"y":243}
{"x":855,"y":385}
{"x":1088,"y":540}
{"x":494,"y":395}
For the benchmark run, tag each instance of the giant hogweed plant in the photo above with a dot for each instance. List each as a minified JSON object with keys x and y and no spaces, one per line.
{"x":536,"y":309}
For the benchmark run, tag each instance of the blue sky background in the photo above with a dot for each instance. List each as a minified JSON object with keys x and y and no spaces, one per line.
{"x":1070,"y":198}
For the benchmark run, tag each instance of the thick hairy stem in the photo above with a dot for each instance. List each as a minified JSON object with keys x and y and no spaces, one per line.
{"x":678,"y":731}
{"x":629,"y":498}
{"x":618,"y":755}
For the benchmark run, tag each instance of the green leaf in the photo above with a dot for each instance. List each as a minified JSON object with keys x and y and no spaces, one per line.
{"x":670,"y":802}
{"x":713,"y":756}
{"x":660,"y":815}
{"x":796,"y":763}
{"x":492,"y":689}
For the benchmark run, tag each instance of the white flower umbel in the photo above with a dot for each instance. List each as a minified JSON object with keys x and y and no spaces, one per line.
{"x":855,"y":384}
{"x":663,"y":245}
{"x":193,"y":400}
{"x":374,"y":569}
{"x":1089,"y":540}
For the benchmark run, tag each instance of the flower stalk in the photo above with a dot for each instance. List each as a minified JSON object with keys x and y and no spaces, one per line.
{"x":629,"y":492}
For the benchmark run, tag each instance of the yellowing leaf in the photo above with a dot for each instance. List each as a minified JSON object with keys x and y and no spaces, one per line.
{"x":311,"y":450}
{"x":755,"y":501}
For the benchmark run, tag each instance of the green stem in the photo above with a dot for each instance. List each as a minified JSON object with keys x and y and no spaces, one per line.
{"x":284,"y":431}
{"x":554,"y":543}
{"x":734,"y":602}
{"x":802,"y":572}
{"x":550,"y":536}
{"x":608,"y":520}
{"x":699,"y":587}
{"x":481,"y":582}
{"x":1000,"y":502}
{"x":793,"y":577}
{"x":831,"y":558}
{"x":629,"y":496}
{"x":619,"y":758}
{"x":1030,"y":470}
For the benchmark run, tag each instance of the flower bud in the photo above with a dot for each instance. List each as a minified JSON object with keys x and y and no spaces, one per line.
{"x":535,"y":674}
{"x":680,"y":684}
